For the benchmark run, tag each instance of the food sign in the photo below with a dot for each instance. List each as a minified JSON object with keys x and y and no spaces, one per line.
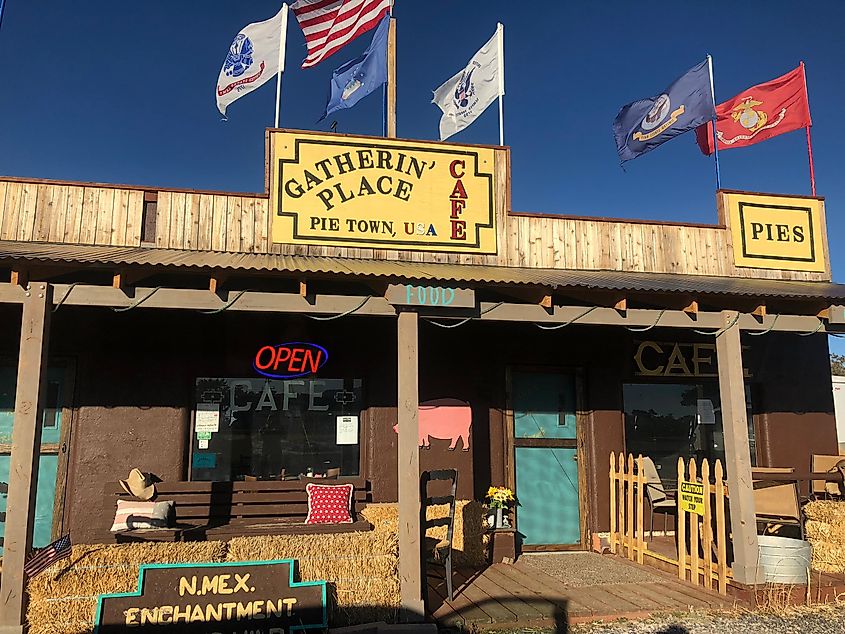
{"x":225,"y":598}
{"x":380,"y":193}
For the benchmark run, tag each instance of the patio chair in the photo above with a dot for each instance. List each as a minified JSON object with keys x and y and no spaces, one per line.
{"x":657,"y":497}
{"x":821,"y":463}
{"x":776,"y":503}
{"x":439,"y":551}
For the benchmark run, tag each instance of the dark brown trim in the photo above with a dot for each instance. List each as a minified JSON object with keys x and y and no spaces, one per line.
{"x":554,"y":443}
{"x":64,"y":449}
{"x":768,"y":194}
{"x":633,"y":221}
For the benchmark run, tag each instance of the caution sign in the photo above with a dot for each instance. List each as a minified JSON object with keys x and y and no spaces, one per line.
{"x":692,"y":497}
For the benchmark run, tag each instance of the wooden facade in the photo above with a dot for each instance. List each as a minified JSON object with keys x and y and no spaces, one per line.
{"x":107,"y":215}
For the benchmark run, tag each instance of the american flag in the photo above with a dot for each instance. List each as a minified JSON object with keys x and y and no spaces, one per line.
{"x":45,"y":557}
{"x":328,"y":25}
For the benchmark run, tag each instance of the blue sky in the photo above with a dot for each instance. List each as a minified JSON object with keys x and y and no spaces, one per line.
{"x":124,"y":92}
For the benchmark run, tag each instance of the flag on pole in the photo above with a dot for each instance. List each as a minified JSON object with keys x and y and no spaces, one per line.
{"x":464,"y":96}
{"x":359,"y":77}
{"x":686,"y":104}
{"x":759,"y":113}
{"x":45,"y":557}
{"x":253,"y":60}
{"x":328,"y":25}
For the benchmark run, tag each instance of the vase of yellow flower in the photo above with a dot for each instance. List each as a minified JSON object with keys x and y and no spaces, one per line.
{"x":499,"y":499}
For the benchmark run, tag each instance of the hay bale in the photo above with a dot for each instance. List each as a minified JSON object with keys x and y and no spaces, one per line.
{"x":63,"y":599}
{"x":469,"y":538}
{"x":828,"y":557}
{"x":361,"y":568}
{"x":827,"y":511}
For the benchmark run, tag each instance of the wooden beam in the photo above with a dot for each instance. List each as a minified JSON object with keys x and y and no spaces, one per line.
{"x":737,"y":452}
{"x":621,"y":305}
{"x":26,"y":440}
{"x":691,"y":308}
{"x":546,"y":301}
{"x":255,"y":301}
{"x":303,"y":288}
{"x":410,"y":546}
{"x":216,"y":283}
{"x":759,"y":311}
{"x":20,"y":277}
{"x":126,"y":278}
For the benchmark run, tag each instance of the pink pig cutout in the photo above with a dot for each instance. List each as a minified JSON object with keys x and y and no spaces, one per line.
{"x":446,"y":419}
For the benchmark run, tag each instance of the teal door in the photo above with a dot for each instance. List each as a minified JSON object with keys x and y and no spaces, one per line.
{"x":546,"y":466}
{"x":50,"y":456}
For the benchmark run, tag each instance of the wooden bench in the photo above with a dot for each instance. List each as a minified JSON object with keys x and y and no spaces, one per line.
{"x":222,"y":510}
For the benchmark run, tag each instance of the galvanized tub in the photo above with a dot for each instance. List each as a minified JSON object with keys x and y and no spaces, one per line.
{"x":783,"y":559}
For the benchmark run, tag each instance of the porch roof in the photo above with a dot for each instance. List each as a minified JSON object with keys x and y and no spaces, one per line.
{"x":36,"y":253}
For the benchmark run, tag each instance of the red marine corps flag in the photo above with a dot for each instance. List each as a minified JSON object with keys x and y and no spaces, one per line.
{"x":759,"y":113}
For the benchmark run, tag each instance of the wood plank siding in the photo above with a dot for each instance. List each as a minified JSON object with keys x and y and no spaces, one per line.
{"x":92,"y":214}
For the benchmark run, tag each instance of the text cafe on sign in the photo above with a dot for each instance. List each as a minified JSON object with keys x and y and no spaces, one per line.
{"x":381,"y":193}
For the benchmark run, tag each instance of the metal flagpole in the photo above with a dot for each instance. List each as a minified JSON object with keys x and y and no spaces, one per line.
{"x":715,"y":138}
{"x":2,"y":4}
{"x":282,"y":45}
{"x":500,"y":31}
{"x":809,"y":139}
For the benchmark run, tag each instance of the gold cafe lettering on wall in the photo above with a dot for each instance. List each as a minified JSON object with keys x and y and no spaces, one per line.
{"x":381,"y":193}
{"x":676,"y":359}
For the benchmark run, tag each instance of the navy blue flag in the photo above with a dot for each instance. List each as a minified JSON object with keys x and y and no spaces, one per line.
{"x":359,"y":77}
{"x":686,"y":104}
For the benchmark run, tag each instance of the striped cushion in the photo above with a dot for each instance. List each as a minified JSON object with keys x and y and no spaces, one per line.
{"x":132,"y":515}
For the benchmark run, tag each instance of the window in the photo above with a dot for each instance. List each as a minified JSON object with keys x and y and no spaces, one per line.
{"x":666,"y":421}
{"x":271,"y":429}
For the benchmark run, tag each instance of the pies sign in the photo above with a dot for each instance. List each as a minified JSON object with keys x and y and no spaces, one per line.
{"x":219,"y":598}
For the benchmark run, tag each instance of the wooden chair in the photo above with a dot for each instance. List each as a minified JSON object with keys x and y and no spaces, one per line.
{"x":656,"y":495}
{"x":821,"y":463}
{"x":439,"y":551}
{"x":776,"y":502}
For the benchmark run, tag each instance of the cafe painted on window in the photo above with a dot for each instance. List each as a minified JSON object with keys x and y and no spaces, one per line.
{"x":380,"y":310}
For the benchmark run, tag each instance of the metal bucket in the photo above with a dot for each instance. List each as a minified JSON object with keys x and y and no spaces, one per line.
{"x":783,"y":559}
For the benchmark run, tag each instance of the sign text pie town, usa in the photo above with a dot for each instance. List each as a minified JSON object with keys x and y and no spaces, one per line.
{"x":378,"y":193}
{"x":227,"y":598}
{"x":777,"y":232}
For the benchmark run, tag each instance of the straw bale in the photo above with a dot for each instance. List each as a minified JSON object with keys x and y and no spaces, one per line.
{"x":63,"y":599}
{"x":361,"y":568}
{"x":822,"y":531}
{"x":828,"y":557}
{"x":469,"y":539}
{"x":827,"y":511}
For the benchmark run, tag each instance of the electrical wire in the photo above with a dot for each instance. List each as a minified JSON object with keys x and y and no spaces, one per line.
{"x":659,"y":315}
{"x":721,"y":331}
{"x":64,"y":297}
{"x":767,"y":330}
{"x":226,"y":306}
{"x":137,"y":302}
{"x":344,"y":314}
{"x":566,"y":323}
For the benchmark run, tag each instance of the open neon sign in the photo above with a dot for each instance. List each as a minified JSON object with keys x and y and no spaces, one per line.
{"x":290,"y":360}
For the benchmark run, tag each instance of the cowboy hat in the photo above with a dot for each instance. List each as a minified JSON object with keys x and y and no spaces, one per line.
{"x":139,"y":484}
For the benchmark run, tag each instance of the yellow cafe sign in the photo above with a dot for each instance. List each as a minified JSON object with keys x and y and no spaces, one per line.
{"x":339,"y":190}
{"x":777,"y":232}
{"x":677,"y":359}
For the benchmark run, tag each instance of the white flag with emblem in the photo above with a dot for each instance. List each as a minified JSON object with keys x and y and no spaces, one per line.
{"x":255,"y":56}
{"x":467,"y":94}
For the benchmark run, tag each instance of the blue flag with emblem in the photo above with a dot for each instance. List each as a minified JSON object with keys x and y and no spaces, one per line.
{"x":359,"y":77}
{"x":643,"y":125}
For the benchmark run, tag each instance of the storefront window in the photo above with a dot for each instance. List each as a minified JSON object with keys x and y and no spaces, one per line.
{"x":665,"y":421}
{"x":275,"y":429}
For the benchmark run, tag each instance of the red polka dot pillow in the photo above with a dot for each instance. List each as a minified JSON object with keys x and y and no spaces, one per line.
{"x":329,"y":503}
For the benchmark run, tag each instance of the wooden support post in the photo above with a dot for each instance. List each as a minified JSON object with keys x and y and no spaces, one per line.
{"x":26,"y":442}
{"x":759,"y":311}
{"x":410,"y":543}
{"x":737,"y":452}
{"x":391,"y":79}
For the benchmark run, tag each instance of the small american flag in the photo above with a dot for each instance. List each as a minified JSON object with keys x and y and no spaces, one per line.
{"x":328,"y":25}
{"x":45,"y":557}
